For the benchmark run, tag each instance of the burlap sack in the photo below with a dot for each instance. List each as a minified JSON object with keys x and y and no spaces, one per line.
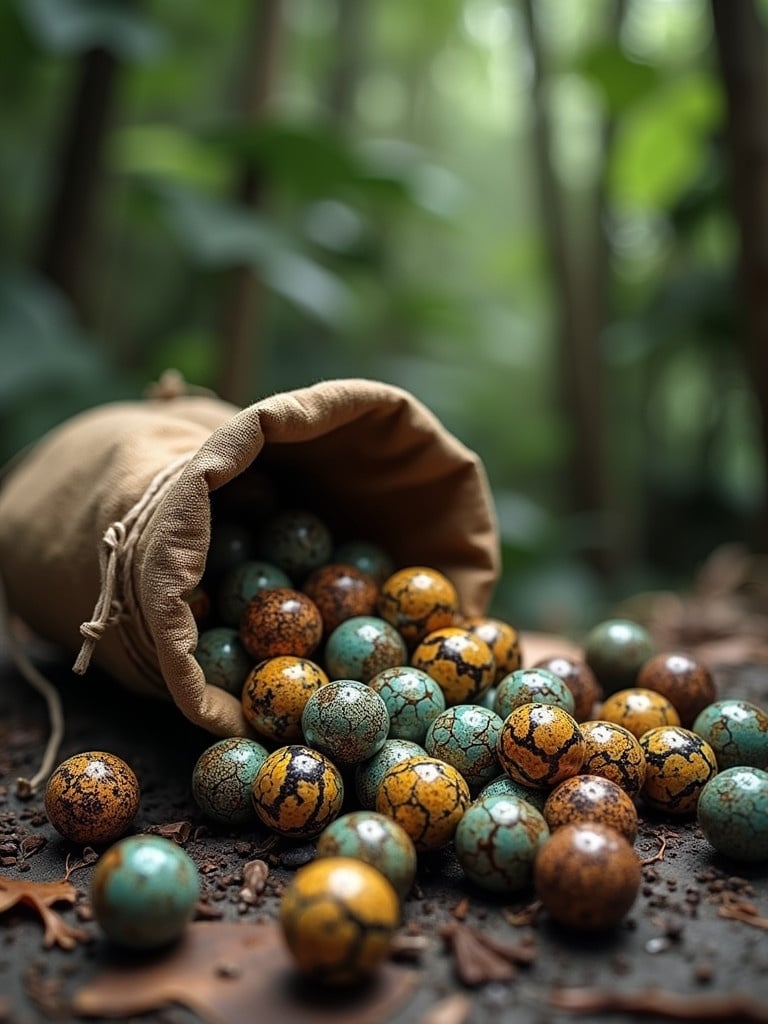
{"x":105,"y":525}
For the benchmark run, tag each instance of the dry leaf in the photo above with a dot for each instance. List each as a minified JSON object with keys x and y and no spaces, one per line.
{"x":225,"y":972}
{"x":41,"y":896}
{"x":479,"y":958}
{"x":31,"y":844}
{"x":524,"y":917}
{"x":177,"y":831}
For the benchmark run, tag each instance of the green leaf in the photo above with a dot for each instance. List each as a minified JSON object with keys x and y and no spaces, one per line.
{"x":40,"y":346}
{"x":660,"y":146}
{"x":164,"y":151}
{"x":314,"y":161}
{"x":74,"y":26}
{"x":221,"y":235}
{"x":309,"y":159}
{"x":622,"y":82}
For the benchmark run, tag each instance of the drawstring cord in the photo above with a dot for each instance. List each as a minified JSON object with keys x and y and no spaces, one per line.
{"x":117,"y":547}
{"x":108,"y":610}
{"x":26,"y":788}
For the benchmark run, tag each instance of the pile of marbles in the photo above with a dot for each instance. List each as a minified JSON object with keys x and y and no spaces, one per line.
{"x":388,"y":725}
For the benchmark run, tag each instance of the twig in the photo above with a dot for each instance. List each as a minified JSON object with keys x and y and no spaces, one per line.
{"x":659,"y":855}
{"x":739,"y":910}
{"x":453,"y":1009}
{"x":662,"y":1002}
{"x":26,"y":788}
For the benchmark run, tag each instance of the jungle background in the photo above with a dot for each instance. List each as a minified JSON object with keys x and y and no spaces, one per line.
{"x":545,"y":218}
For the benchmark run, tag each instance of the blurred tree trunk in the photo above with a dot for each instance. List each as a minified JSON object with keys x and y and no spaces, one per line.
{"x":347,"y":63}
{"x":579,"y":268}
{"x":243,"y":316}
{"x":743,"y":50}
{"x":66,"y":234}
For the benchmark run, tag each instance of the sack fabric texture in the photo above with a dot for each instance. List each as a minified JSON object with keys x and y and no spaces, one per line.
{"x":105,"y":524}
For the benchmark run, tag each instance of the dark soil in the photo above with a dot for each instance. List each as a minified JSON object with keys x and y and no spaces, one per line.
{"x":510,"y":955}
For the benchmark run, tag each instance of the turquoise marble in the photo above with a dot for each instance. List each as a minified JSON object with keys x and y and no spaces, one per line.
{"x":222,"y":779}
{"x":362,"y":647}
{"x":368,"y":557}
{"x":375,"y":839}
{"x":413,"y":700}
{"x":737,"y":731}
{"x":497,"y":841}
{"x":223,"y":659}
{"x":143,"y":892}
{"x":230,"y":545}
{"x":297,"y":541}
{"x":531,"y":686}
{"x":466,"y":736}
{"x":616,"y":650}
{"x":733,"y":813}
{"x":345,"y":720}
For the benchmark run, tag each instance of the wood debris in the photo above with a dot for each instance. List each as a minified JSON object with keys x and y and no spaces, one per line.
{"x":177,"y":831}
{"x":478,"y":958}
{"x":453,"y":1009}
{"x":735,"y":909}
{"x":662,"y":1003}
{"x":524,"y":917}
{"x":658,"y":856}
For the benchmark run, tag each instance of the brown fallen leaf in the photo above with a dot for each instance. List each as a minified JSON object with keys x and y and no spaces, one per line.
{"x":177,"y":831}
{"x":478,"y":958}
{"x":223,"y":970}
{"x":524,"y":917}
{"x":461,"y":910}
{"x":41,"y":896}
{"x":31,"y":844}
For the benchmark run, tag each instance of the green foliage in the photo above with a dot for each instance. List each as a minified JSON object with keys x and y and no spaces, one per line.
{"x":622,"y":82}
{"x":401,"y":236}
{"x":659,"y":148}
{"x":74,"y":26}
{"x":50,"y":369}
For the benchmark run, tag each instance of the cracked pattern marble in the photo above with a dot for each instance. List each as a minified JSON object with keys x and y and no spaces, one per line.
{"x":532,"y":685}
{"x":427,"y":797}
{"x":459,"y":661}
{"x":413,"y":700}
{"x":466,"y":736}
{"x":540,"y":745}
{"x":297,"y":791}
{"x":737,"y":731}
{"x":345,"y":720}
{"x":679,"y":763}
{"x":497,"y":841}
{"x":733,"y":813}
